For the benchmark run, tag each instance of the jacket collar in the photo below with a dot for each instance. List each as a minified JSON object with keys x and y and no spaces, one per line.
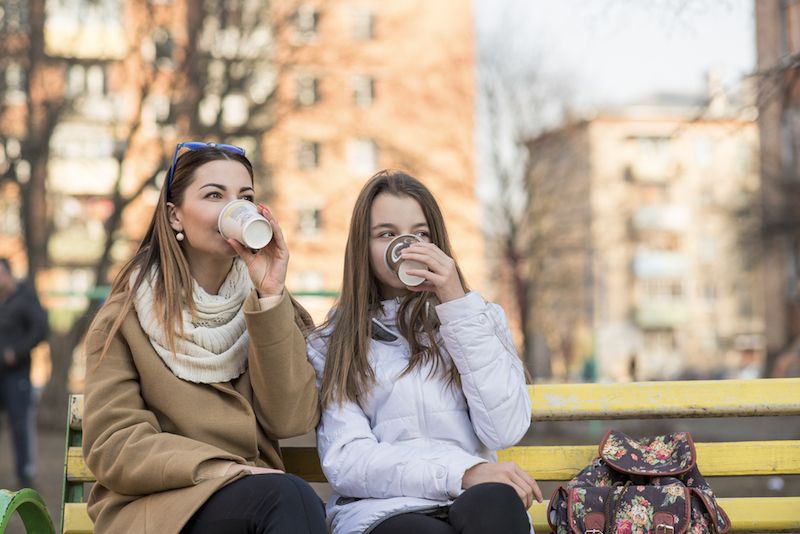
{"x":387,"y":312}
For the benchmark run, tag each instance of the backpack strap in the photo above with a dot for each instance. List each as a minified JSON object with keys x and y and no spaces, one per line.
{"x":663,"y":523}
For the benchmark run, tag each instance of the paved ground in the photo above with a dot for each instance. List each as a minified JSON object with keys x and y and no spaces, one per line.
{"x":51,"y":469}
{"x":51,"y":452}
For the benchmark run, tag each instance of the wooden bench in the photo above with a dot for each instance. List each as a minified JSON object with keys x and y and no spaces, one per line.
{"x":583,"y":402}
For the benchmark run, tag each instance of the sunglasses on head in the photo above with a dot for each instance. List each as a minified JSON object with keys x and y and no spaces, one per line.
{"x":197,"y":145}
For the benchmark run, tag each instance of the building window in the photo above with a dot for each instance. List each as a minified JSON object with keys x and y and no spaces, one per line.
{"x":363,"y":90}
{"x":308,"y":155}
{"x":76,"y":81}
{"x":362,"y":156}
{"x":662,"y":290}
{"x":89,"y":80}
{"x":14,"y":15}
{"x":792,"y":270}
{"x":14,"y":84}
{"x":155,"y":110}
{"x":363,"y":23}
{"x":307,"y":87}
{"x":659,"y":148}
{"x":707,"y":249}
{"x":9,"y":214}
{"x":306,"y":19}
{"x":164,"y":46}
{"x":704,"y":152}
{"x":790,"y":137}
{"x":659,"y":341}
{"x":789,"y":27}
{"x":95,"y":81}
{"x":309,"y":221}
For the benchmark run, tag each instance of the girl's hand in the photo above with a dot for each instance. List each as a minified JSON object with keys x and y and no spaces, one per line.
{"x":506,"y":473}
{"x":268,"y":266}
{"x":441,"y":276}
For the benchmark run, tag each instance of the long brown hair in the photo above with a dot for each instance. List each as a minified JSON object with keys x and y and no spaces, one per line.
{"x":347,"y":374}
{"x":159,"y":248}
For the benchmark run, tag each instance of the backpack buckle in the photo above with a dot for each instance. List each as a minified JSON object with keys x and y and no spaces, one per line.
{"x":665,"y":529}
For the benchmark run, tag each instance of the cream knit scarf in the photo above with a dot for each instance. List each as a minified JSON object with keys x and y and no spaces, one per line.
{"x":214,"y":344}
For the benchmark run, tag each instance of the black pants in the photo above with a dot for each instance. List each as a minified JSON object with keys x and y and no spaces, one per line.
{"x":261,"y":504}
{"x":16,"y":399}
{"x":482,"y":509}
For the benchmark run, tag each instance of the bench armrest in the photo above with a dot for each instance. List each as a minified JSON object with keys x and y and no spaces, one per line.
{"x":31,"y":508}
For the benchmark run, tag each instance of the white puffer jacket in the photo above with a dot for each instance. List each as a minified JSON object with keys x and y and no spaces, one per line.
{"x":407,"y":447}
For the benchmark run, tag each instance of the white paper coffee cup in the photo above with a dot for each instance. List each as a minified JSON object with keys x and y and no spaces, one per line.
{"x":241,"y":221}
{"x":410,"y":279}
{"x":400,"y":267}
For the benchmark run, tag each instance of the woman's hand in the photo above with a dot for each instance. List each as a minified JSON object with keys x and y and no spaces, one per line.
{"x":441,"y":276}
{"x":268,"y":266}
{"x":251,"y":469}
{"x":506,"y":473}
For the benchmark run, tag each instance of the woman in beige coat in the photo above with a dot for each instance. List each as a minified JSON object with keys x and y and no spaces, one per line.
{"x":196,"y":367}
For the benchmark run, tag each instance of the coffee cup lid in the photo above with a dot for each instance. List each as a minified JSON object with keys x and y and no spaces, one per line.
{"x":395,"y":246}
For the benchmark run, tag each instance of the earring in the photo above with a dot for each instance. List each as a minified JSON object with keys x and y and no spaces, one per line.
{"x":179,"y":236}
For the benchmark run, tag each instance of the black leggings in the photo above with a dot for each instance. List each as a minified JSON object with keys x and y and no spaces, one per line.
{"x":485,"y":508}
{"x":261,"y":504}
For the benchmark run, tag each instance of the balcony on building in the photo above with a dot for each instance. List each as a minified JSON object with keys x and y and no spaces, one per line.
{"x":663,"y":264}
{"x":662,"y":218}
{"x":666,"y":313}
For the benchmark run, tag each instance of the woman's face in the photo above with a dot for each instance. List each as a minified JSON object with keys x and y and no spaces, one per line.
{"x":390,"y":216}
{"x":215,"y":184}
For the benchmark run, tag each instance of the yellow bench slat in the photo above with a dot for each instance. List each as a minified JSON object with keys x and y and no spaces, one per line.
{"x":714,"y":459}
{"x":636,"y":400}
{"x":76,"y":519}
{"x":545,"y":462}
{"x":76,"y":467}
{"x":694,"y":398}
{"x":747,"y":514}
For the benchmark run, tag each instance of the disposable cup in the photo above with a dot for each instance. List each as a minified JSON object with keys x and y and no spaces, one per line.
{"x":401,"y":267}
{"x":241,"y":221}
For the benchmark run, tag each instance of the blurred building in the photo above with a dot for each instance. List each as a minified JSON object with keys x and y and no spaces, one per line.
{"x":371,"y":85}
{"x":321,"y":94}
{"x":640,"y":233}
{"x":104,"y":110}
{"x":778,"y":46}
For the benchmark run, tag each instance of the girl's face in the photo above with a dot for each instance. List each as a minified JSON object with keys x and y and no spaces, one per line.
{"x":390,"y":216}
{"x":215,"y":184}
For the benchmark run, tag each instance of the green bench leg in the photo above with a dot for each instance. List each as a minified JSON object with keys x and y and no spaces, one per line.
{"x":31,"y":509}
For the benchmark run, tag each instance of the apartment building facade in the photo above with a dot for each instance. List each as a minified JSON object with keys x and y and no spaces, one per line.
{"x":372,"y":85}
{"x":642,"y":243}
{"x":321,"y":94}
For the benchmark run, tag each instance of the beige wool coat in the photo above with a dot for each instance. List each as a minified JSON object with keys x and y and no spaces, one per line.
{"x":147,"y":432}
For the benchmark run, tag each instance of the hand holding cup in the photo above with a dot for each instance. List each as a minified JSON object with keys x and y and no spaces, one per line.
{"x":266,"y":255}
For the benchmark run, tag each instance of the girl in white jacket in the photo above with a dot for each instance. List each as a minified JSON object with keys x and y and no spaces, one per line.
{"x":419,"y":384}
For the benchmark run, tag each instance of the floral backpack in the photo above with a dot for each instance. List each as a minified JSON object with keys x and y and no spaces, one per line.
{"x":644,"y":486}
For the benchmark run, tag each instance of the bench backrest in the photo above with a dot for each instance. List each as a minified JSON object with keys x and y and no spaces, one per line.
{"x":573,"y":402}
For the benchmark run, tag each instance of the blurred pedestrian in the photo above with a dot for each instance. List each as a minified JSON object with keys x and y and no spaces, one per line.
{"x":23,"y":325}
